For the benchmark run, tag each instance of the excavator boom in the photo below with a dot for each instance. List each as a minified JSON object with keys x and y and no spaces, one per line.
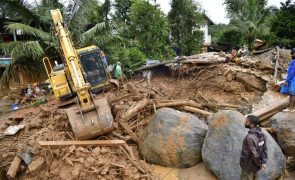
{"x":90,"y":117}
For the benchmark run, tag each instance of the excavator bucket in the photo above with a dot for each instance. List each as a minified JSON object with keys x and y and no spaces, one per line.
{"x":91,"y":124}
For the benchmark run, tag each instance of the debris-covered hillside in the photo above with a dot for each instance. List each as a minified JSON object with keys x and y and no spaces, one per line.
{"x":201,"y":85}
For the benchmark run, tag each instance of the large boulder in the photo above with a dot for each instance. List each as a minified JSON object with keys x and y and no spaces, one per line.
{"x":284,"y":125}
{"x":223,"y":143}
{"x":173,"y":138}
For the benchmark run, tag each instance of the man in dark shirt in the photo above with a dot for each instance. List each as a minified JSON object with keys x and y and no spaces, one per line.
{"x":254,"y":150}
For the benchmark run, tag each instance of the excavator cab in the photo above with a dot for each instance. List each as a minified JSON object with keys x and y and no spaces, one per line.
{"x":94,"y":70}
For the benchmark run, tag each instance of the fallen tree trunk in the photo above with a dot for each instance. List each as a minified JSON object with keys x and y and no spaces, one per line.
{"x":177,"y":103}
{"x":133,"y":111}
{"x":228,"y":105}
{"x":194,"y":110}
{"x":267,"y":112}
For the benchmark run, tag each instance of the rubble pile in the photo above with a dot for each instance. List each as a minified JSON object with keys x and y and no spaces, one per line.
{"x":201,"y":85}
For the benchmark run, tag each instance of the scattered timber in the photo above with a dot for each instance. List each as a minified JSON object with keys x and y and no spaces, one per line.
{"x":56,"y":144}
{"x":177,"y":103}
{"x":266,"y":113}
{"x":194,"y":110}
{"x":137,"y":108}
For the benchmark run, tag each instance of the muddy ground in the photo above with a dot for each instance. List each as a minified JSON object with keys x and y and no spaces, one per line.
{"x":215,"y":87}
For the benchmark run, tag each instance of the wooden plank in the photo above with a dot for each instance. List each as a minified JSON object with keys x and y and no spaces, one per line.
{"x":56,"y":144}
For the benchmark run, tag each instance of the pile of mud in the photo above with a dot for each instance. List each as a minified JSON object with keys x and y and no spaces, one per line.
{"x":213,"y":87}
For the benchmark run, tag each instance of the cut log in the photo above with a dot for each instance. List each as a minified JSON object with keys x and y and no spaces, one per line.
{"x":178,"y":103}
{"x":194,"y":110}
{"x":267,"y":112}
{"x":137,"y":108}
{"x":56,"y":144}
{"x":228,"y":105}
{"x":14,"y":167}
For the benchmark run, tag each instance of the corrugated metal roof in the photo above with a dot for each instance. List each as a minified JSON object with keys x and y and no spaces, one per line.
{"x":5,"y":61}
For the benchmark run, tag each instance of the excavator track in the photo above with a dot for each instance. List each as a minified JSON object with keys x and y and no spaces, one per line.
{"x":91,"y":124}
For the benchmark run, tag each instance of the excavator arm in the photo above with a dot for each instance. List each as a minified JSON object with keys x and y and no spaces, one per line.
{"x":72,"y":62}
{"x":92,"y":117}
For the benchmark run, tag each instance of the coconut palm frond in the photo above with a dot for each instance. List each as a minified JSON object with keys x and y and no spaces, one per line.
{"x":19,"y":49}
{"x":32,"y":70}
{"x":79,"y":15}
{"x":29,"y":30}
{"x":100,"y":34}
{"x":18,"y":11}
{"x":104,"y":39}
{"x":94,"y":30}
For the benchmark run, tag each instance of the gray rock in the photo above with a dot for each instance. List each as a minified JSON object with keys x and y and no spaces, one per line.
{"x":173,"y":138}
{"x":223,"y":143}
{"x":284,"y":125}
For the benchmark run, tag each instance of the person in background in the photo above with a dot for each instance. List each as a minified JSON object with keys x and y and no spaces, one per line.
{"x":103,"y":58}
{"x":254,"y":150}
{"x":290,"y":83}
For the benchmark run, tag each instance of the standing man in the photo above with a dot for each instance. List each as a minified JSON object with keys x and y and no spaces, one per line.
{"x":254,"y":150}
{"x":290,"y":83}
{"x":104,"y":59}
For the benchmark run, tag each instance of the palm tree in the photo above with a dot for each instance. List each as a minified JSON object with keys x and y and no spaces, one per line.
{"x":249,"y":16}
{"x":37,"y":41}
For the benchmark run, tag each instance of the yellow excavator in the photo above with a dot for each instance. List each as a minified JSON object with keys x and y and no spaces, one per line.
{"x":81,"y":73}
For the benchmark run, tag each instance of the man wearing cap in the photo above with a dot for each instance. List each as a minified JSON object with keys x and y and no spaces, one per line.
{"x":254,"y":150}
{"x":290,"y":82}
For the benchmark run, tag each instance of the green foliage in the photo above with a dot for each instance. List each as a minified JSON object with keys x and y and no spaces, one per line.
{"x":149,"y":27}
{"x":106,"y":7}
{"x":185,"y":16}
{"x":227,"y":36}
{"x":131,"y":58}
{"x":21,"y":49}
{"x":283,"y":25}
{"x":193,"y":43}
{"x":250,"y":17}
{"x":95,"y":14}
{"x":28,"y":30}
{"x":247,"y":10}
{"x":122,"y":10}
{"x":38,"y":40}
{"x":18,"y":10}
